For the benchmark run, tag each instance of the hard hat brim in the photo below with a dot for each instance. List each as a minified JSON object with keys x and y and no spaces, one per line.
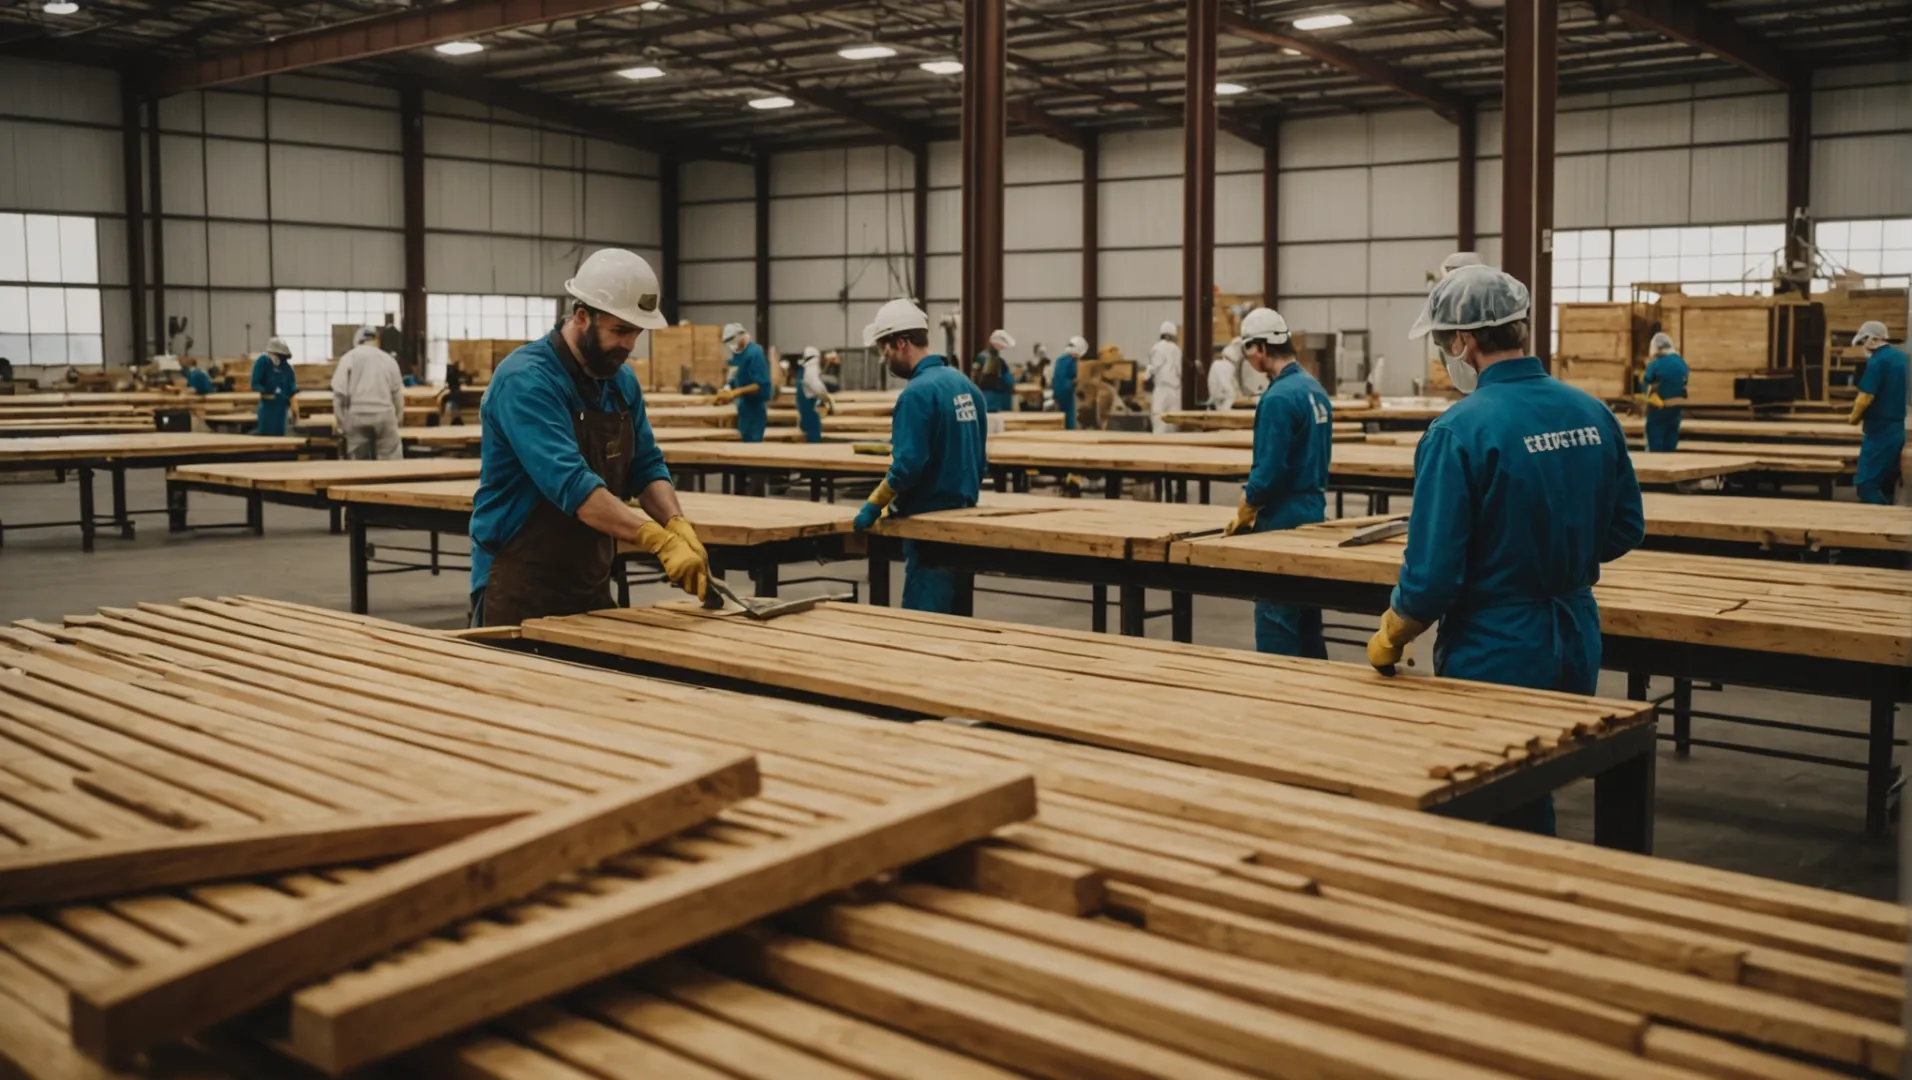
{"x":638,"y":317}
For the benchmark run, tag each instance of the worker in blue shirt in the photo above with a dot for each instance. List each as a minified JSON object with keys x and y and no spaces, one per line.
{"x":1662,"y":392}
{"x":1062,"y":379}
{"x":273,"y":378}
{"x":750,"y":386}
{"x":566,"y":445}
{"x":1521,"y":491}
{"x":1294,"y":437}
{"x":996,"y":380}
{"x":196,"y":380}
{"x":1880,"y":408}
{"x":937,"y":456}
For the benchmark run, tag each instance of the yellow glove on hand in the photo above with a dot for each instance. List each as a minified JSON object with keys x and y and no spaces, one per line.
{"x":1245,"y":516}
{"x":1654,"y":401}
{"x":826,"y":405}
{"x":680,"y":527}
{"x":1389,"y":644}
{"x":685,"y":566}
{"x":724,"y":397}
{"x":1859,"y":406}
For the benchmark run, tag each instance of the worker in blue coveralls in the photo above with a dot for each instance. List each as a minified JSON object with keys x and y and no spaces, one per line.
{"x":750,"y":386}
{"x":1662,"y":393}
{"x":273,"y":378}
{"x":566,"y":447}
{"x":1062,"y":379}
{"x":996,"y":379}
{"x":813,"y":397}
{"x":1880,"y":408}
{"x":196,"y":380}
{"x":937,"y":436}
{"x":1294,"y":436}
{"x":1521,"y":491}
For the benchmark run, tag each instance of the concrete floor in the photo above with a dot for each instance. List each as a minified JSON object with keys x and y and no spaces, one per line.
{"x":1737,"y":811}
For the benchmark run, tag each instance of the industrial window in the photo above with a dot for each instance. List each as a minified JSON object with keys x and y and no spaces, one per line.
{"x":463,"y":317}
{"x":305,"y":318}
{"x":1704,"y":260}
{"x":1880,"y":251}
{"x":49,"y":290}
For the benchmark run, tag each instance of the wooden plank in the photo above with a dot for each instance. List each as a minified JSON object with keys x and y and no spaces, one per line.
{"x":341,"y":1025}
{"x":401,"y":903}
{"x":79,"y":448}
{"x":113,"y":867}
{"x":1026,"y":877}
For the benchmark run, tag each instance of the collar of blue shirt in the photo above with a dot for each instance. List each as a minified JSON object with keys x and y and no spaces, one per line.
{"x":1526,"y":367}
{"x":927,"y":362}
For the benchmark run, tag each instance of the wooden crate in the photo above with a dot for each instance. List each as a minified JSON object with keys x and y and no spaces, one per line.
{"x":479,"y":356}
{"x":691,"y":350}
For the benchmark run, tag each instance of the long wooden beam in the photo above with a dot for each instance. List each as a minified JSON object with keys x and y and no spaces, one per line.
{"x":1422,"y":89}
{"x":1709,"y":30}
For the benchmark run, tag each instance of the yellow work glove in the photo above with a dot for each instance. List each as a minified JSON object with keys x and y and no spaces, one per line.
{"x":1654,"y":401}
{"x":873,"y":509}
{"x":724,"y":396}
{"x":1389,"y":644}
{"x":1245,"y":515}
{"x":1859,"y":406}
{"x":826,"y":405}
{"x":680,"y":527}
{"x":685,"y":566}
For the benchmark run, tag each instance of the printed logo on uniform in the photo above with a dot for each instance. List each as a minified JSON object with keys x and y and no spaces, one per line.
{"x":965,"y":409}
{"x":1320,"y":410}
{"x":1560,"y":440}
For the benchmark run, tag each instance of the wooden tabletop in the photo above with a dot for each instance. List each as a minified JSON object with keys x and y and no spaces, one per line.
{"x":1798,"y":431}
{"x":149,"y":444}
{"x":315,"y":477}
{"x":79,"y":425}
{"x":11,"y":411}
{"x":1242,"y":439}
{"x":1808,"y":523}
{"x":1780,"y":457}
{"x":1012,"y":421}
{"x":834,"y":456}
{"x":731,"y":520}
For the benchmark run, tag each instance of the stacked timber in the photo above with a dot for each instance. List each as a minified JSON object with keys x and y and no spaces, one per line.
{"x":1151,"y":920}
{"x":1602,"y":345}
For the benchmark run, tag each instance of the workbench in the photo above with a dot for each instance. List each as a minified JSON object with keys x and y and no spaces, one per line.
{"x":51,"y":427}
{"x":304,"y":483}
{"x":23,"y":408}
{"x":1795,"y":431}
{"x":115,"y":454}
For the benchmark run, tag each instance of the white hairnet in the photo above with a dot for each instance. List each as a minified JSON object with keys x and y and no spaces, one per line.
{"x":1457,"y":260}
{"x":1870,"y":331}
{"x":1001,"y":340}
{"x":1168,"y":329}
{"x":1663,"y":343}
{"x":1078,"y":348}
{"x":365,"y":334}
{"x":731,"y":331}
{"x":810,"y":353}
{"x":277,"y":346}
{"x":1470,"y":298}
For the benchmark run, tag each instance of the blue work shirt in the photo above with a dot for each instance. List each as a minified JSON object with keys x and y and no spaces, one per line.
{"x":937,"y":432}
{"x":1521,"y":491}
{"x":198,"y":381}
{"x":749,"y":365}
{"x":1666,"y":376}
{"x":276,"y":383}
{"x":1064,"y":373}
{"x":1884,"y":379}
{"x":530,"y":446}
{"x":1294,"y":438}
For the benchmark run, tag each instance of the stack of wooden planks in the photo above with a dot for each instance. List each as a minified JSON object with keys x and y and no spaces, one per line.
{"x":315,"y":477}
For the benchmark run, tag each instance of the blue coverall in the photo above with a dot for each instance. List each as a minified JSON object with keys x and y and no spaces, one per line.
{"x":1062,"y":382}
{"x":1521,"y":490}
{"x":530,"y":447}
{"x":276,"y":383}
{"x":1294,"y":437}
{"x":937,"y":462}
{"x":1000,"y":398}
{"x":1666,"y":376}
{"x":809,"y":420}
{"x":749,"y":365}
{"x":198,"y":381}
{"x":1883,"y":426}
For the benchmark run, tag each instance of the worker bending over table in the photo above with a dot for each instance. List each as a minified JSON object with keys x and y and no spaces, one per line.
{"x":566,"y":444}
{"x":1880,"y":408}
{"x":813,"y":397}
{"x":749,"y":384}
{"x":275,"y":382}
{"x":995,"y":379}
{"x":368,"y":399}
{"x":197,"y":381}
{"x":1287,"y":485}
{"x":1663,"y":393}
{"x":1521,"y":490}
{"x":1164,"y":377}
{"x":937,"y":434}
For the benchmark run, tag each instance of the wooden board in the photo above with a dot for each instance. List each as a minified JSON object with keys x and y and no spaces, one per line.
{"x":151,"y":444}
{"x":13,"y":409}
{"x":314,"y":477}
{"x":19,"y":429}
{"x":1807,"y":523}
{"x":1760,"y":431}
{"x":832,"y":457}
{"x":729,"y":520}
{"x":1236,"y":439}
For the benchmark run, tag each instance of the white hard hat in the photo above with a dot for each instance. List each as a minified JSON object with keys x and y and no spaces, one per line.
{"x":1232,"y":351}
{"x":365,"y":334}
{"x":619,"y":283}
{"x":1001,"y":340}
{"x":894,"y":317}
{"x":731,"y":331}
{"x":1077,"y":347}
{"x":1663,"y":343}
{"x":810,"y":353}
{"x":1457,"y":260}
{"x":1168,"y":329}
{"x":1870,"y":331}
{"x":1470,"y":298}
{"x":1264,"y":325}
{"x":277,"y":346}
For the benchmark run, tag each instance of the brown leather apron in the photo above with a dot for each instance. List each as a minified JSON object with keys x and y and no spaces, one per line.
{"x":556,"y":564}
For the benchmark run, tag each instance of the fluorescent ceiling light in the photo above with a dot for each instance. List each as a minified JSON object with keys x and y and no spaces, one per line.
{"x":1291,"y":52}
{"x":774,"y":102}
{"x":942,"y":67}
{"x":1229,"y":89}
{"x":647,"y":72}
{"x":60,"y":7}
{"x":1323,"y":22}
{"x":651,"y":5}
{"x":460,"y":48}
{"x":866,"y":52}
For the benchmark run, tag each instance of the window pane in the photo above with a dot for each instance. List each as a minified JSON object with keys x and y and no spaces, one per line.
{"x":1630,"y":243}
{"x":82,"y":311}
{"x":1663,"y":241}
{"x":84,"y":349}
{"x":47,"y":349}
{"x":1695,"y":242}
{"x":1897,"y":262}
{"x":1864,"y":260}
{"x":13,"y":309}
{"x":1898,"y":233}
{"x":1832,"y":234}
{"x":1726,"y":267}
{"x":1595,"y":243}
{"x":43,"y":248}
{"x":1867,"y":234}
{"x":1566,"y":245}
{"x":15,"y":347}
{"x":1627,"y":271}
{"x":1664,"y":268}
{"x":1593,"y":272}
{"x":79,"y":251}
{"x":1765,"y":239}
{"x":13,"y":248}
{"x":46,"y":312}
{"x":1727,"y":239}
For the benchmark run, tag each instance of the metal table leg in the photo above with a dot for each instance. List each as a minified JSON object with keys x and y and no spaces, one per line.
{"x":121,"y":519}
{"x":338,"y":521}
{"x":175,"y":506}
{"x":1683,"y":716}
{"x":1204,"y":492}
{"x":1637,"y":682}
{"x":964,"y":602}
{"x":1099,"y":608}
{"x":256,"y":514}
{"x":359,"y":570}
{"x":1134,"y":608}
{"x":1623,"y":804}
{"x":434,"y":548}
{"x":765,"y":575}
{"x":1182,"y":616}
{"x":816,"y":488}
{"x":1111,"y":485}
{"x":1879,"y":769}
{"x":879,"y":575}
{"x":85,"y":477}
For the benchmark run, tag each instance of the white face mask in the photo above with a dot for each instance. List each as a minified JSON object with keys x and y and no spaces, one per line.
{"x":1459,"y":372}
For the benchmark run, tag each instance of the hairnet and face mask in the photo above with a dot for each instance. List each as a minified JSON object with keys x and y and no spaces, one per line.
{"x":1469,"y":298}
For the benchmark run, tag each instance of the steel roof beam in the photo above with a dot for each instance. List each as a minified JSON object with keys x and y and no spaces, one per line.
{"x":1419,"y":87}
{"x":1712,"y":31}
{"x":1024,"y":111}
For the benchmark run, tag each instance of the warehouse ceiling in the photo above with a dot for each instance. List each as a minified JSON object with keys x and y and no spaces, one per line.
{"x":1073,"y":64}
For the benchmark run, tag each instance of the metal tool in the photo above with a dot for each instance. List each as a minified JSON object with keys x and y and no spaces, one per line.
{"x":716,"y":592}
{"x":1376,"y":533}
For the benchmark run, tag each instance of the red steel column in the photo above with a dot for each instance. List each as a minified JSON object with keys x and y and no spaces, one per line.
{"x":130,"y":160}
{"x":761,"y":331}
{"x":1531,"y":83}
{"x":1465,"y":229}
{"x":1271,"y":214}
{"x":1091,"y":237}
{"x":411,"y":112}
{"x":1799,"y":174}
{"x":919,"y":238}
{"x":1198,"y":194}
{"x":985,"y":55}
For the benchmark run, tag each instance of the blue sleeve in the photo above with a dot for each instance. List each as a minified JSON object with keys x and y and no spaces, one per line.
{"x":910,"y":425}
{"x":1438,"y":529}
{"x":262,"y":376}
{"x":1627,"y":530}
{"x":1274,"y":426}
{"x":199,"y":381}
{"x":647,"y":466}
{"x":766,"y":387}
{"x":535,"y":420}
{"x":1651,"y":375}
{"x":1874,"y":374}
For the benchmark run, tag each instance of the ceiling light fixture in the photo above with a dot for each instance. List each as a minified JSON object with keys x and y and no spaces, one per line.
{"x":651,"y":5}
{"x":460,"y":48}
{"x":60,"y":7}
{"x":646,"y":72}
{"x":1291,"y":52}
{"x":1229,"y":89}
{"x":1323,"y":22}
{"x":942,"y":67}
{"x":866,"y":52}
{"x":776,"y":101}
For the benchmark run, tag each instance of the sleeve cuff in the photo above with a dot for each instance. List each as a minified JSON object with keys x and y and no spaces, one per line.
{"x":580,"y":489}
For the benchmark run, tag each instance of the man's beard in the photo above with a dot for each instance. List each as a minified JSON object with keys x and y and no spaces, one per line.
{"x":898,"y":366}
{"x":599,"y":361}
